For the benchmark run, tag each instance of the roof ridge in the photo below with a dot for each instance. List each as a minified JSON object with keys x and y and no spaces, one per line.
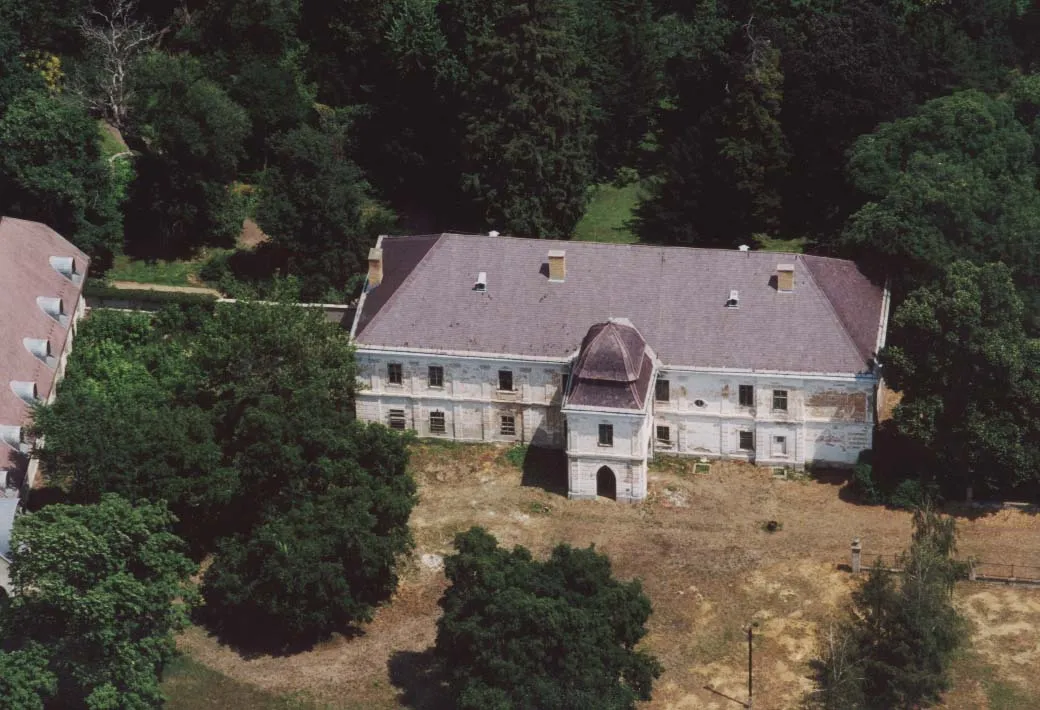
{"x":407,"y":279}
{"x":830,"y":306}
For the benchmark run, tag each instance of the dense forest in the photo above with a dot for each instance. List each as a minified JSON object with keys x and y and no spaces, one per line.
{"x":902,"y":133}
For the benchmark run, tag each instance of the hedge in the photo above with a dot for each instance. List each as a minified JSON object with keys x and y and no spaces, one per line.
{"x":108,"y":293}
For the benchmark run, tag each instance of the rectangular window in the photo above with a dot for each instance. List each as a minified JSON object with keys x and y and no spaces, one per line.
{"x":437,"y":423}
{"x":508,"y":425}
{"x":747,"y":441}
{"x":780,"y":400}
{"x":662,"y":391}
{"x":664,"y":434}
{"x":505,"y":380}
{"x":393,"y":373}
{"x":606,"y":434}
{"x":779,"y":446}
{"x":397,"y":420}
{"x":747,"y":396}
{"x":436,"y":376}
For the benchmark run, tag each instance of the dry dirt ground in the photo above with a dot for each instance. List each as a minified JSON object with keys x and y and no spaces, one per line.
{"x":707,"y":564}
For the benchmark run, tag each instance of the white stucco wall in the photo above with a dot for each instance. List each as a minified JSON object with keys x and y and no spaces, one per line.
{"x":469,"y":398}
{"x":828,"y":419}
{"x":5,"y":575}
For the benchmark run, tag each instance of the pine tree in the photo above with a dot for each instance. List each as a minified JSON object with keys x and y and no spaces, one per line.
{"x":526,"y":140}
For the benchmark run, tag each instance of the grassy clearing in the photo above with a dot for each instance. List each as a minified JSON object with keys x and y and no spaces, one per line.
{"x":189,"y":685}
{"x":791,"y":246}
{"x":609,"y":210}
{"x":166,"y":273}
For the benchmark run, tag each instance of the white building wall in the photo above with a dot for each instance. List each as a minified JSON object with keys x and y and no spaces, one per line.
{"x":469,"y":397}
{"x":827,"y":420}
{"x":5,"y":575}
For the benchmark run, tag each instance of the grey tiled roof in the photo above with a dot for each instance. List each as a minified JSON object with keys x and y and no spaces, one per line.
{"x":674,"y":296}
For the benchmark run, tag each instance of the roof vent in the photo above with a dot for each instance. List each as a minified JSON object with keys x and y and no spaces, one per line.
{"x":785,"y":278}
{"x":734,"y":300}
{"x":40,"y":348}
{"x":26,"y":391}
{"x":66,"y":266}
{"x":54,"y":307}
{"x":481,"y":284}
{"x":557,"y":264}
{"x":493,"y":233}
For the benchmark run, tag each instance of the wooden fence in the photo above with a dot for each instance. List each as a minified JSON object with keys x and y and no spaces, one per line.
{"x":978,"y":570}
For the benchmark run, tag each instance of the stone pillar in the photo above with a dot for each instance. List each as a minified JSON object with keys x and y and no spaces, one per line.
{"x":857,"y":550}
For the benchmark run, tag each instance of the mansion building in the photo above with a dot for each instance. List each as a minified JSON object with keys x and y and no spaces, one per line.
{"x":617,"y":352}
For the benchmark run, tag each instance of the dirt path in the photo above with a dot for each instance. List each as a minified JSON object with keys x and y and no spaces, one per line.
{"x":707,"y":564}
{"x":138,"y":286}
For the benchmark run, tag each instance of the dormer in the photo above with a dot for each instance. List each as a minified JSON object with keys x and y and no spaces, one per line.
{"x":26,"y":391}
{"x":39,"y":348}
{"x":12,"y":436}
{"x":734,"y":299}
{"x":66,"y":266}
{"x":53,"y":307}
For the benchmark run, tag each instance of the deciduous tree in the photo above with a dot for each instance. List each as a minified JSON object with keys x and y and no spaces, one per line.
{"x":556,"y":635}
{"x":100,"y":590}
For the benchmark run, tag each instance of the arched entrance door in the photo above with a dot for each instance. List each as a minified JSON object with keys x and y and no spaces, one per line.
{"x":606,"y":483}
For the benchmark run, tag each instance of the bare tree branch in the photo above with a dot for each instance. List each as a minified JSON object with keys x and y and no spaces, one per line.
{"x":115,"y":39}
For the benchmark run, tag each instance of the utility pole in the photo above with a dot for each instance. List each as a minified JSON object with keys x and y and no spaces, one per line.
{"x":750,"y":660}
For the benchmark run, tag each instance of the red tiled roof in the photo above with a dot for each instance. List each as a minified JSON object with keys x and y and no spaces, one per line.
{"x":26,"y":274}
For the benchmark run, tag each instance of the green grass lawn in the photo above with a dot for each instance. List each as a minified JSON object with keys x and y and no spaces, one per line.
{"x":794,"y":246}
{"x":608,"y":211}
{"x":167,"y":273}
{"x":189,"y":685}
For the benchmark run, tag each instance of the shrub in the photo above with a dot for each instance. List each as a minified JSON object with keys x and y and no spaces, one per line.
{"x":516,"y":455}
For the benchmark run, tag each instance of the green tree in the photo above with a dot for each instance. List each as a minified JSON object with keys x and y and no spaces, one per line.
{"x":519,"y":633}
{"x":624,"y":64}
{"x":958,"y":180}
{"x":25,"y":680}
{"x":894,"y":651}
{"x":327,"y":549}
{"x":100,"y":588}
{"x":191,"y":134}
{"x":970,"y":378}
{"x":310,"y":204}
{"x":526,"y":140}
{"x":52,"y":171}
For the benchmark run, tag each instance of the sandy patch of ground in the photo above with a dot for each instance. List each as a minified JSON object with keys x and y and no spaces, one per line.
{"x":706,"y":563}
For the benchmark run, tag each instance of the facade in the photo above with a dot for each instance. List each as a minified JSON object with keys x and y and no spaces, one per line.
{"x":617,"y":352}
{"x":41,"y":283}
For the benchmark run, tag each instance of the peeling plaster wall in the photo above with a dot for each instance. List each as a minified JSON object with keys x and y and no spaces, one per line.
{"x":469,"y":398}
{"x":825,"y":421}
{"x":629,"y":477}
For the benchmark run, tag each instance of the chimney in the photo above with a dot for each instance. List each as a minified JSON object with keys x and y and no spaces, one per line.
{"x":785,"y":278}
{"x":375,"y":267}
{"x":557,"y":264}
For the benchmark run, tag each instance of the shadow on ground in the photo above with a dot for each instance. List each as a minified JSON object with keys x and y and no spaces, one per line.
{"x":545,"y":469}
{"x":253,"y":639}
{"x":419,"y":678}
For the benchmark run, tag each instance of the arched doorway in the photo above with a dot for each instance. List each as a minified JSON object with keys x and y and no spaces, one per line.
{"x":606,"y":483}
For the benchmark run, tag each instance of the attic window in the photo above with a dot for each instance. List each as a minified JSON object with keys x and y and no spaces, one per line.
{"x":481,"y":283}
{"x":734,"y":300}
{"x":12,"y":436}
{"x":66,"y":266}
{"x":26,"y":391}
{"x":40,"y":348}
{"x":54,"y":307}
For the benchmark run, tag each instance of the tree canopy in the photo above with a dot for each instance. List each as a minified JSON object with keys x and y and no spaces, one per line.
{"x":99,"y":591}
{"x":519,"y":633}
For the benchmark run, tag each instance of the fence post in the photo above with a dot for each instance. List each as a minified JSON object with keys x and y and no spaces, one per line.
{"x":857,"y":548}
{"x":971,"y":570}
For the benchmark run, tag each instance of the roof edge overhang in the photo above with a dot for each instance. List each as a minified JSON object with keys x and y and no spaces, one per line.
{"x":467,"y":354}
{"x":612,"y":411}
